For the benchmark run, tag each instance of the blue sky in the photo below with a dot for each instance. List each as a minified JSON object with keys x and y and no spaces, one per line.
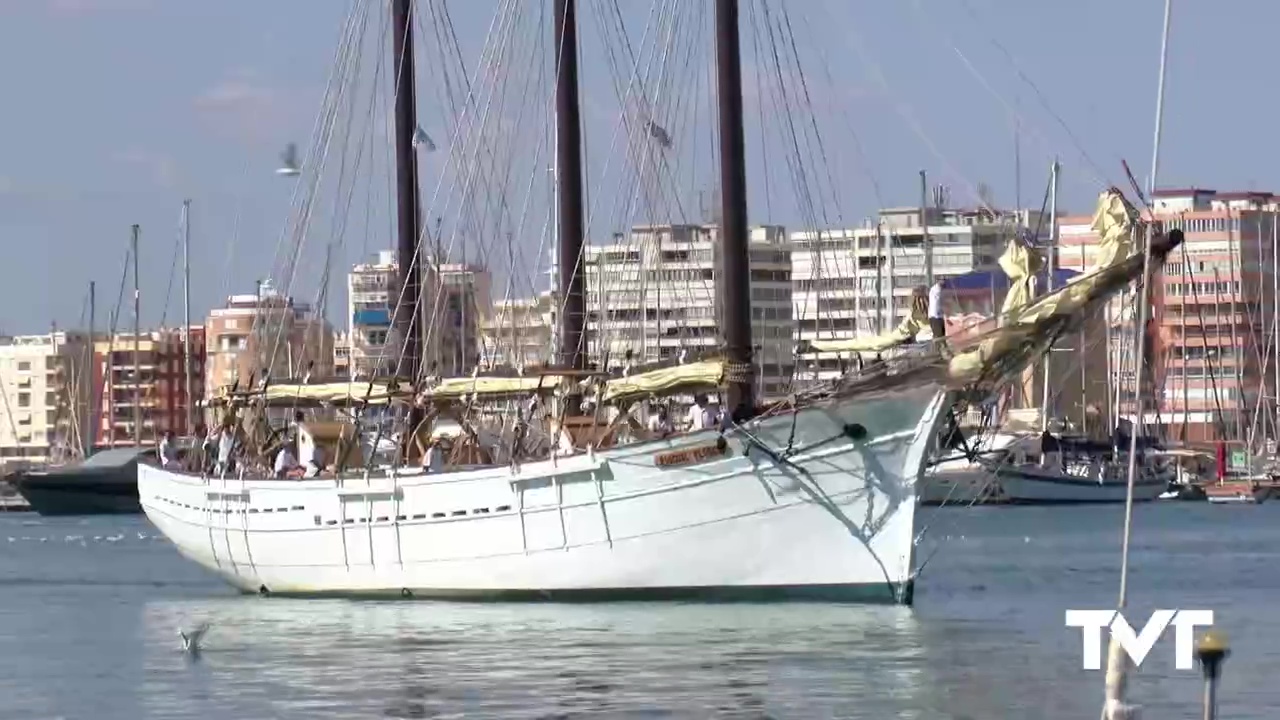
{"x":116,"y":110}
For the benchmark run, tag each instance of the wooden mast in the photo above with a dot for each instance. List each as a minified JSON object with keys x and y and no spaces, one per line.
{"x":409,"y":224}
{"x":735,"y":265}
{"x":573,"y":316}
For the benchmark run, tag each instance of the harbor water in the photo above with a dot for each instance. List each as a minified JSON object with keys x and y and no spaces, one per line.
{"x":90,"y":610}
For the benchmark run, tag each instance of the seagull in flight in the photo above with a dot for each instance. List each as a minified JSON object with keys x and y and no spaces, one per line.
{"x":191,"y":640}
{"x":289,"y":165}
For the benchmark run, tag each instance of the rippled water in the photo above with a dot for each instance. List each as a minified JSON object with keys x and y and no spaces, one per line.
{"x":89,"y":612}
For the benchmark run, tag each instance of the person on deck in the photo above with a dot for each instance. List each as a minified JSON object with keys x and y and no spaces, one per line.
{"x":169,"y":452}
{"x":937,"y":323}
{"x":226,"y":444}
{"x":659,"y":423}
{"x":285,"y":461}
{"x":700,"y":415}
{"x":209,"y":450}
{"x":312,"y":459}
{"x":433,"y":458}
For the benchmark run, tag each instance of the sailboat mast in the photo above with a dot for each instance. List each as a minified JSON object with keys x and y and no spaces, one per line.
{"x":188,"y":421}
{"x":408,"y":221}
{"x":569,"y":189}
{"x":1053,"y":251}
{"x":734,"y":247}
{"x":137,"y":343}
{"x":91,"y":436}
{"x":1275,"y":313}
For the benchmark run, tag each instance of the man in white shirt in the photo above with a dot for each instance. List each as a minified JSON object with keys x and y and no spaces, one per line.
{"x":700,"y":416}
{"x":433,"y":459}
{"x":168,"y":451}
{"x":312,"y":459}
{"x":659,"y":424}
{"x":226,"y":444}
{"x":936,"y":322}
{"x":285,"y":461}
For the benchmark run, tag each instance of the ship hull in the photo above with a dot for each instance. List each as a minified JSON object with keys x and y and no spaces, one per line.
{"x":1033,"y":486}
{"x":108,"y":493}
{"x":679,"y":518}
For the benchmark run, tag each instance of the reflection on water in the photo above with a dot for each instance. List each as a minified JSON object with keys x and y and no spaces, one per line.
{"x":90,"y":612}
{"x":403,"y":659}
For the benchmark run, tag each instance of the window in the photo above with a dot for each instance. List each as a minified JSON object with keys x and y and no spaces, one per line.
{"x":24,"y":399}
{"x":51,"y":398}
{"x":24,"y":366}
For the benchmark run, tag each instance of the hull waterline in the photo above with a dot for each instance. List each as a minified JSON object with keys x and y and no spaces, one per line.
{"x":1032,"y":486}
{"x":51,"y":496}
{"x":833,"y":518}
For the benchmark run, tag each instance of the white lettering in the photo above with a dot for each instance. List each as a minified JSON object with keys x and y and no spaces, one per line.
{"x":1093,"y":620}
{"x":1137,"y":645}
{"x":1184,"y":625}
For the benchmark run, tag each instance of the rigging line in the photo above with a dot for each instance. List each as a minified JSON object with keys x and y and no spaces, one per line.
{"x":642,"y":142}
{"x":608,"y":163}
{"x":799,"y":70}
{"x":641,"y":145}
{"x":235,"y":230}
{"x":497,"y":60}
{"x":445,"y":36}
{"x":623,"y":126}
{"x":813,"y":119}
{"x":863,"y":161}
{"x":173,"y":270}
{"x":800,"y":177}
{"x":317,"y":128}
{"x":756,"y":53}
{"x":347,"y":27}
{"x":646,"y":143}
{"x":302,"y":225}
{"x":341,"y":209}
{"x":1100,"y":175}
{"x":877,"y":75}
{"x":499,"y":24}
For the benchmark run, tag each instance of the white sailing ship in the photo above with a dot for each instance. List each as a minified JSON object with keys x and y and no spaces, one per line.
{"x":813,"y":497}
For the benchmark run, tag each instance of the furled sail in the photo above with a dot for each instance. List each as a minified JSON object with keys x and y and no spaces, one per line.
{"x":489,"y":386}
{"x":904,"y":333}
{"x":1115,"y":268}
{"x":703,"y":373}
{"x":985,"y":363}
{"x":341,"y":392}
{"x":1021,"y":264}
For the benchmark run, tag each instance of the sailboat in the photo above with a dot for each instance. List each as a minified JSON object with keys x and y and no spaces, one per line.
{"x":810,"y":498}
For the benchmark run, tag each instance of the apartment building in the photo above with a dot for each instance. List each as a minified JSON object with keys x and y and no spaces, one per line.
{"x":44,"y":393}
{"x":461,"y":301}
{"x":341,"y":354}
{"x":467,"y":299}
{"x":655,"y":292}
{"x":140,"y":389}
{"x":1213,"y":311}
{"x":855,"y":282}
{"x":519,"y":332}
{"x":266,"y":331}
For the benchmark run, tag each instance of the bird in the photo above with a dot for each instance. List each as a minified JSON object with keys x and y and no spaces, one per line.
{"x":289,"y":165}
{"x":191,"y":640}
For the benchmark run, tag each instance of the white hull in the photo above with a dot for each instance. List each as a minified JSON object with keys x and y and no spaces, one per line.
{"x":835,"y":518}
{"x":958,"y":481}
{"x":1034,"y":485}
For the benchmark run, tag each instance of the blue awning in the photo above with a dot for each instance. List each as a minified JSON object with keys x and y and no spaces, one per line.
{"x":996,"y":279}
{"x":375,"y":318}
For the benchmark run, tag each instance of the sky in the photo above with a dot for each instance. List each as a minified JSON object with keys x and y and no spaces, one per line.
{"x":114,"y":111}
